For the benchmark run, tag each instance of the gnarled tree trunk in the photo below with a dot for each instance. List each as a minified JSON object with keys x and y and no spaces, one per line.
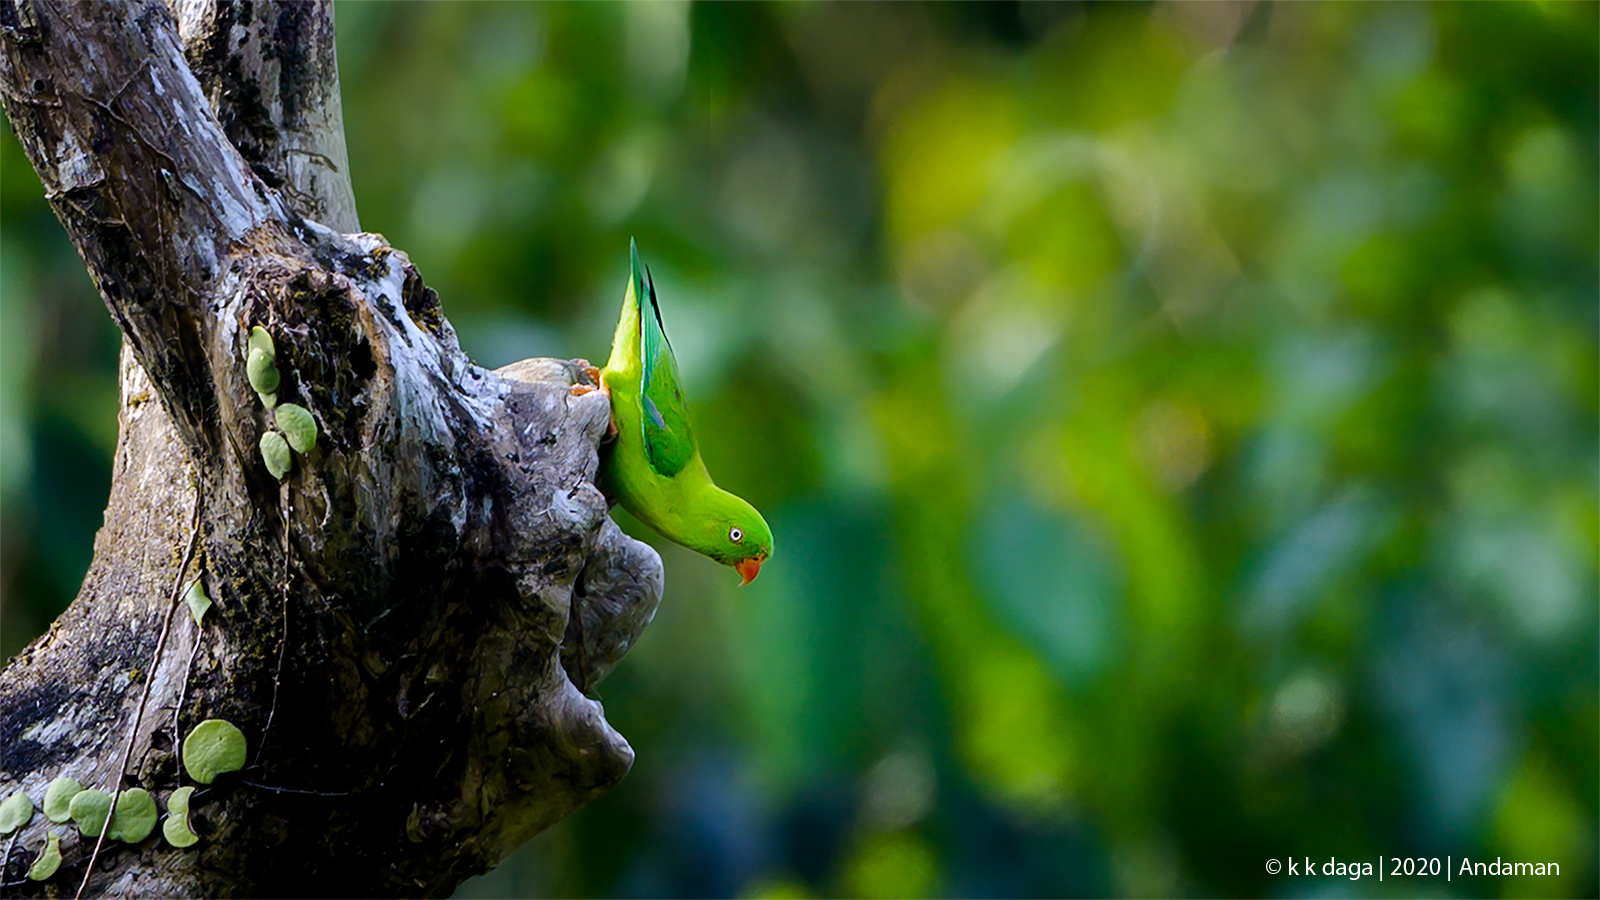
{"x":405,"y":624}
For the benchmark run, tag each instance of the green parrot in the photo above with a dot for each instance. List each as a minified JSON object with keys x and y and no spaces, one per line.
{"x":653,"y":467}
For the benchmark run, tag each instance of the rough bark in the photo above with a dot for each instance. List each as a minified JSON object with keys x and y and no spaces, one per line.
{"x":394,"y":628}
{"x":271,"y":74}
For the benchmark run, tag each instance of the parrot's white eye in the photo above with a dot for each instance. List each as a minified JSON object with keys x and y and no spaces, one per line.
{"x":735,"y":535}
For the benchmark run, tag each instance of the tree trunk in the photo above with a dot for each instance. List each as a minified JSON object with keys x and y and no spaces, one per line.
{"x":393,"y":629}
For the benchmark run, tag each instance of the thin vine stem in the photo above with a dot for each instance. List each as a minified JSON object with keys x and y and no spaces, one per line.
{"x":144,"y":694}
{"x":5,"y":864}
{"x":183,"y":696}
{"x":283,"y":631}
{"x":283,"y":790}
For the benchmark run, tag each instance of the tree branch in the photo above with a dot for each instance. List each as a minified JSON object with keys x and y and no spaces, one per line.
{"x":271,"y":74}
{"x":420,"y":567}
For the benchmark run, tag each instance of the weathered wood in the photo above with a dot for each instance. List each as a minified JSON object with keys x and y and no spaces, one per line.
{"x":390,"y":620}
{"x":271,"y":74}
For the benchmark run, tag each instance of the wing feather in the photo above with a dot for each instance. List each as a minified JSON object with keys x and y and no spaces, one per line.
{"x":668,"y":442}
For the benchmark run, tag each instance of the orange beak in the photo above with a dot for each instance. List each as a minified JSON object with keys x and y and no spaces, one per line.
{"x":748,"y":569}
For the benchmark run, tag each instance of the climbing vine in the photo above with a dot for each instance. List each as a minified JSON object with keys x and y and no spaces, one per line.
{"x":213,"y":748}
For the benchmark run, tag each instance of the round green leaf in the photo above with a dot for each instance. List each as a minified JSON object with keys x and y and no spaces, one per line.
{"x":89,"y":809}
{"x":178,"y":801}
{"x":275,"y":453}
{"x":261,"y":340}
{"x":263,"y":374}
{"x":57,"y":796}
{"x":268,"y":400}
{"x":298,"y":427}
{"x":213,"y":748}
{"x":176,"y":828}
{"x":49,"y":859}
{"x":15,"y":812}
{"x":134,"y":818}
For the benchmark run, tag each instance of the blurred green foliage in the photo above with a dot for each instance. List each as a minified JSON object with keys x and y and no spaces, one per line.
{"x":1178,"y":423}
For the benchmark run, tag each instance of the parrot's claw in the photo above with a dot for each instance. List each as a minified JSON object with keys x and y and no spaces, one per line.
{"x":592,"y":373}
{"x":578,"y":390}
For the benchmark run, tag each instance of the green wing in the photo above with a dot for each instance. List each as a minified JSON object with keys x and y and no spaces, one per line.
{"x":667,"y":440}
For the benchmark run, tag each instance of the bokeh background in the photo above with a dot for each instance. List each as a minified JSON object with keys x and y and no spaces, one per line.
{"x":1178,"y":422}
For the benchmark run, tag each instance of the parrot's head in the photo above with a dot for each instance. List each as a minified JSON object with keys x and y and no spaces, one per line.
{"x":738,"y":537}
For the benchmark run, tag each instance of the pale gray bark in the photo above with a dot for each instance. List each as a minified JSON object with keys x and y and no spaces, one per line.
{"x":271,"y":74}
{"x":393,"y":627}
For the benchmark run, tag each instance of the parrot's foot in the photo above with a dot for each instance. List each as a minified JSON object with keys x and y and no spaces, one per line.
{"x":578,"y":390}
{"x":592,"y":373}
